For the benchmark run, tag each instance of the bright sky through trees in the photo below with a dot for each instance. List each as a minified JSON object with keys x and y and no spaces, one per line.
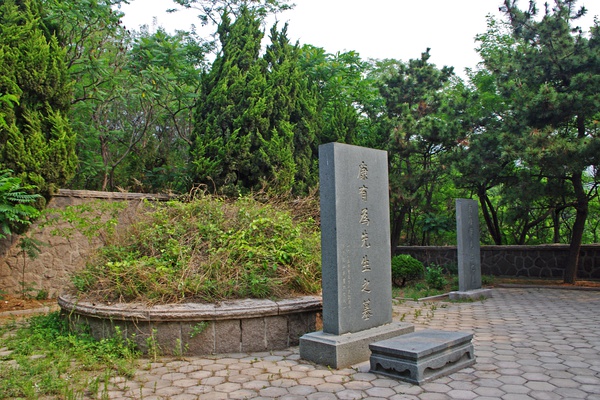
{"x":399,"y":29}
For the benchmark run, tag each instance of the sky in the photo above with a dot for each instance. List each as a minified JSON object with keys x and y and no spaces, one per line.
{"x":398,"y":29}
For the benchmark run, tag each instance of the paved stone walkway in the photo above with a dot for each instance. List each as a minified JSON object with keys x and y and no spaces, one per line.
{"x":529,"y":344}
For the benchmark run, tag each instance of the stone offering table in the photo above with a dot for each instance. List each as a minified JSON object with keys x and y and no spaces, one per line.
{"x":422,"y":356}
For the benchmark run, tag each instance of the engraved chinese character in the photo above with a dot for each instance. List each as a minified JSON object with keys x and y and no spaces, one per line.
{"x":363,"y":192}
{"x":365,"y":286}
{"x":366,"y":267}
{"x":364,"y":216}
{"x":366,"y":312}
{"x":364,"y":237}
{"x":363,"y":171}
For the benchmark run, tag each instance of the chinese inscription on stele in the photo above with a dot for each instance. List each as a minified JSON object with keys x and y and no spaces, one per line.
{"x":363,"y":176}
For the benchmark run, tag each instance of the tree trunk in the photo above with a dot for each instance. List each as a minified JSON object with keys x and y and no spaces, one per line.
{"x":396,"y":231}
{"x":581,"y":208}
{"x":489,"y":214}
{"x":556,"y":226}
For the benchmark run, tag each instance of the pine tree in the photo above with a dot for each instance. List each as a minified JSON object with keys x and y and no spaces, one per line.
{"x":549,"y":73}
{"x":36,"y":141}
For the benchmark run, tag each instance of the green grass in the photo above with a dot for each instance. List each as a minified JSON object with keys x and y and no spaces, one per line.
{"x":47,"y":359}
{"x":421,"y":288}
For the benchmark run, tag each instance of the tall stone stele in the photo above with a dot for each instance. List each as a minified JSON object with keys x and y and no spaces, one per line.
{"x":356,"y":260}
{"x":468,"y":251}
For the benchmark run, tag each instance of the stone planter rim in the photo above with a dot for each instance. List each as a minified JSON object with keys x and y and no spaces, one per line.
{"x":182,"y":312}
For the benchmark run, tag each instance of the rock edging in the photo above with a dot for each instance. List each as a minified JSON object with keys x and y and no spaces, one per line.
{"x":197,"y":328}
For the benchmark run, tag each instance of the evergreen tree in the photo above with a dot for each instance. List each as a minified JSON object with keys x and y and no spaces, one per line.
{"x":292,"y":142}
{"x":36,"y":140}
{"x":255,"y":119}
{"x":338,"y":79}
{"x":422,"y":126}
{"x":230,"y":116}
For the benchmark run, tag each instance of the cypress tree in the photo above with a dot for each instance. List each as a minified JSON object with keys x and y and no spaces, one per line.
{"x":292,"y":146}
{"x":230,"y":113}
{"x":36,"y":141}
{"x":255,"y":119}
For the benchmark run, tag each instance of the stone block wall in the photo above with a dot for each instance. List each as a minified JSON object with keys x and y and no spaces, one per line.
{"x":543,"y":261}
{"x":60,"y":256}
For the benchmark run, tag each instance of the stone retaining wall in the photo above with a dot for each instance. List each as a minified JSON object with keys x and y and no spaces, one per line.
{"x":543,"y":261}
{"x":198,"y":328}
{"x":60,"y":255}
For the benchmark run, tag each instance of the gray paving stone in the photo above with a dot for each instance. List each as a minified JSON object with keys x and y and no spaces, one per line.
{"x":273,"y":392}
{"x":545,"y":395}
{"x":242,"y":394}
{"x":571,"y":393}
{"x":462,"y":394}
{"x":348,"y":394}
{"x":529,"y":344}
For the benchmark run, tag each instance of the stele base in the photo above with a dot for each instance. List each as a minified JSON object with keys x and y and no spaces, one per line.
{"x":476,"y":294}
{"x":341,"y":351}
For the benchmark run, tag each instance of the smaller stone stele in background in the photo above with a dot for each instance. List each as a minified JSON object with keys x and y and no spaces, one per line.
{"x":468,"y":249}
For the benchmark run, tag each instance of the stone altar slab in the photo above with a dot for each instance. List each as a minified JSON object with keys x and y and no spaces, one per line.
{"x":422,"y":356}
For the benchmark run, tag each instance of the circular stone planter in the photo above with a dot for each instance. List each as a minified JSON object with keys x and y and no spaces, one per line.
{"x":198,"y":328}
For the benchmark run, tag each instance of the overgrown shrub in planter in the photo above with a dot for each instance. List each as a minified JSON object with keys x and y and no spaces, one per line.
{"x":405,"y":268}
{"x":207,"y":249}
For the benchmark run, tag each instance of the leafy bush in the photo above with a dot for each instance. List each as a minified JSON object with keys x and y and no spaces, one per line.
{"x":15,"y":208}
{"x":487,"y":280}
{"x":405,"y":268}
{"x":434,"y":276}
{"x":207,"y":249}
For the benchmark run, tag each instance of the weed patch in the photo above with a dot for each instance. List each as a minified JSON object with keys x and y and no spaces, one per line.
{"x":47,"y":359}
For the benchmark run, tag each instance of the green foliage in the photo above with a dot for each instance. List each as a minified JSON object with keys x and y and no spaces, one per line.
{"x":15,"y":200}
{"x":212,"y":10}
{"x":36,"y":140}
{"x":487,"y":280}
{"x":30,"y":248}
{"x":406,"y":268}
{"x":94,"y":220}
{"x":207,"y":249}
{"x":420,"y":126}
{"x":50,"y":360}
{"x":543,"y":73}
{"x":434,"y":276}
